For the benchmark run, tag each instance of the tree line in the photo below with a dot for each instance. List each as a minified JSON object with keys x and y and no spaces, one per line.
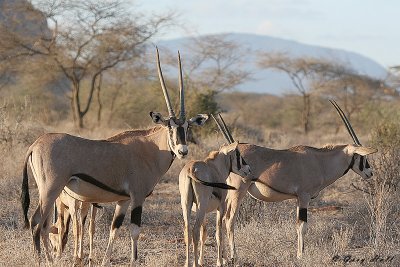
{"x":97,"y":55}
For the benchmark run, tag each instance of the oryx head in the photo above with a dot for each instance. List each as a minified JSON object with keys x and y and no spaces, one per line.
{"x":359,"y":163}
{"x":238,"y":164}
{"x":177,"y":126}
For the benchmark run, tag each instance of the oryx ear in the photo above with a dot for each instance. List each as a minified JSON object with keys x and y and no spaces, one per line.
{"x":157,"y":117}
{"x":198,"y":120}
{"x":362,"y":150}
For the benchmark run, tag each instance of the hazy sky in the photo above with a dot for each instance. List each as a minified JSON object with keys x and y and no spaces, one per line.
{"x":369,"y":27}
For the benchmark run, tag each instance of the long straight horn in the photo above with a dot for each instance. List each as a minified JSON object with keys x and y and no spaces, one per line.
{"x":346,"y":122}
{"x":221,"y":129}
{"x":226,"y":129}
{"x":181,"y":92}
{"x":164,"y":88}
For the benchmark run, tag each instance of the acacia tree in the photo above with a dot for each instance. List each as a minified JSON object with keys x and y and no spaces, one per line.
{"x":87,"y":39}
{"x":216,"y":63}
{"x":301,"y":71}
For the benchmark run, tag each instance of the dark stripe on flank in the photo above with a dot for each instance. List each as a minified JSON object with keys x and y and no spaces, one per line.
{"x":302,"y":215}
{"x":93,"y":181}
{"x":219,"y":185}
{"x":136,"y":216}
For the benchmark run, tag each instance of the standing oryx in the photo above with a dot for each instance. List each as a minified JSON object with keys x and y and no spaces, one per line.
{"x":214,"y":169}
{"x":123,"y":168}
{"x":299,"y":172}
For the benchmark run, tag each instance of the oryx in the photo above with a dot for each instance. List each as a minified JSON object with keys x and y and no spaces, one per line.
{"x":300,"y":172}
{"x":69,"y":209}
{"x":123,"y":168}
{"x":215,"y":169}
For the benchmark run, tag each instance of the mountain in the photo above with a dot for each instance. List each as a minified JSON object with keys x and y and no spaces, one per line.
{"x":273,"y":82}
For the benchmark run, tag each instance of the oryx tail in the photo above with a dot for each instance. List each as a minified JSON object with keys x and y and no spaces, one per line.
{"x":25,"y":200}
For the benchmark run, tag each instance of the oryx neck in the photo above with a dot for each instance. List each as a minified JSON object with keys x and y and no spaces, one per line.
{"x":220,"y":162}
{"x":120,"y":137}
{"x":336,"y":165}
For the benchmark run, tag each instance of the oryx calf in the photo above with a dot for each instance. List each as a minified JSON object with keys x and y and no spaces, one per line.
{"x":300,"y":172}
{"x":124,"y":168}
{"x":69,"y":209}
{"x":214,"y":169}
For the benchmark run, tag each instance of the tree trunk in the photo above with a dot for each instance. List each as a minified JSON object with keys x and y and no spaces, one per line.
{"x":76,"y":109}
{"x":99,"y":100}
{"x":306,"y":112}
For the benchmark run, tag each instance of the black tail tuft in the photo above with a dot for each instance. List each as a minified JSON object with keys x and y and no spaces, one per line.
{"x":25,"y":200}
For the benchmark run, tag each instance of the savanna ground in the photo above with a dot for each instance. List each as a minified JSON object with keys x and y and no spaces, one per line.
{"x":345,"y":224}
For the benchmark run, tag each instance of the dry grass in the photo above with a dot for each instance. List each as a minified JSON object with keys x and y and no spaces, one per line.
{"x":366,"y":225}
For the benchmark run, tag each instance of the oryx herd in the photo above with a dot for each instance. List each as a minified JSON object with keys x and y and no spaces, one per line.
{"x":73,"y":175}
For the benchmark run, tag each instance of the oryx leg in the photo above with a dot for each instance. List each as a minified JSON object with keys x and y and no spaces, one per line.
{"x":93,"y":211}
{"x":203,"y":238}
{"x":230,"y":218}
{"x":200,"y":216}
{"x":119,"y":215}
{"x":39,"y":223}
{"x":84,"y":209}
{"x":219,"y":234}
{"x":234,"y":199}
{"x":136,"y":221}
{"x":73,"y":208}
{"x":45,"y":238}
{"x":302,"y":205}
{"x":187,"y":203}
{"x":56,"y":229}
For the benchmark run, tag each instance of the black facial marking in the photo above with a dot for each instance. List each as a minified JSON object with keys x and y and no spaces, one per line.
{"x":361,"y":167}
{"x":302,"y":215}
{"x":181,"y":135}
{"x":238,"y":159}
{"x":350,"y":166}
{"x":367,"y":164}
{"x":136,"y":216}
{"x":93,"y":181}
{"x":118,"y":221}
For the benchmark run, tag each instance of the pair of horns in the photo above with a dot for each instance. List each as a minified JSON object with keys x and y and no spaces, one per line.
{"x":223,"y":128}
{"x":346,"y":122}
{"x":171,"y":112}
